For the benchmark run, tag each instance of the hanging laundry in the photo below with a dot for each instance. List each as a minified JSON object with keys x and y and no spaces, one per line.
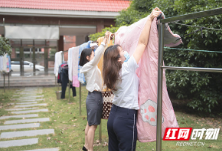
{"x":170,"y":39}
{"x":64,"y":79}
{"x":75,"y":62}
{"x":94,"y":46}
{"x":127,"y":38}
{"x":70,"y":63}
{"x":5,"y":63}
{"x":58,"y":61}
{"x":8,"y":63}
{"x":1,"y":63}
{"x":81,"y":77}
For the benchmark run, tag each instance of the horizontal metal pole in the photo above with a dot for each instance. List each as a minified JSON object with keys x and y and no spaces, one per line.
{"x":15,"y":59}
{"x":48,"y":47}
{"x":16,"y":47}
{"x":51,"y":59}
{"x":36,"y":46}
{"x":193,"y":15}
{"x":193,"y":69}
{"x":65,"y":51}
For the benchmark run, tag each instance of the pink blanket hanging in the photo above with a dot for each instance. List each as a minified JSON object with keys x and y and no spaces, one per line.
{"x":75,"y":60}
{"x":147,"y":72}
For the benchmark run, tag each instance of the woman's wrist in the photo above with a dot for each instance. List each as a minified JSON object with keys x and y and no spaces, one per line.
{"x":149,"y":18}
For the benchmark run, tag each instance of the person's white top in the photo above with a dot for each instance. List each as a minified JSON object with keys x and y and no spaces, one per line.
{"x":92,"y":73}
{"x":126,"y":95}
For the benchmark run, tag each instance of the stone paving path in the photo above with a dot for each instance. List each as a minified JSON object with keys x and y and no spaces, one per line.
{"x":18,"y":116}
{"x":31,"y":105}
{"x":21,"y":142}
{"x":19,"y":126}
{"x":26,"y":133}
{"x":19,"y":109}
{"x":31,"y":100}
{"x":30,"y":111}
{"x":45,"y":149}
{"x":26,"y":102}
{"x":27,"y":120}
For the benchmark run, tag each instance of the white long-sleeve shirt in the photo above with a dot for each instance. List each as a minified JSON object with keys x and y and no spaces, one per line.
{"x":92,"y":73}
{"x":70,"y":63}
{"x":58,"y":62}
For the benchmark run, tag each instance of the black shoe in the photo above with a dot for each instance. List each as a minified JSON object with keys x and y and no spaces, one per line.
{"x":83,"y":148}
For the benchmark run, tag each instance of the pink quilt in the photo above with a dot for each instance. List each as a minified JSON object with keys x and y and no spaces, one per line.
{"x":75,"y":60}
{"x":147,"y":72}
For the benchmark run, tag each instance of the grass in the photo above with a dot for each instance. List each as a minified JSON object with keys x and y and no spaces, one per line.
{"x":69,"y":126}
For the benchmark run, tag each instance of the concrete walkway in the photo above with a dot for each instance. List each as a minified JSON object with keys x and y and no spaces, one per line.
{"x":26,"y":103}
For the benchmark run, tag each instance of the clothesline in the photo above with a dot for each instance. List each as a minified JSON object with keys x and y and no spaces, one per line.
{"x":193,"y":50}
{"x":200,"y":28}
{"x":197,"y":26}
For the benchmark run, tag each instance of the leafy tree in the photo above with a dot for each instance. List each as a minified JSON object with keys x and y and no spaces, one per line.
{"x":95,"y":36}
{"x":203,"y":89}
{"x":5,"y":46}
{"x":138,"y":9}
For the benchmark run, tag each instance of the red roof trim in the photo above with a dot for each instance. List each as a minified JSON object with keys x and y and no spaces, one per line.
{"x":77,"y":5}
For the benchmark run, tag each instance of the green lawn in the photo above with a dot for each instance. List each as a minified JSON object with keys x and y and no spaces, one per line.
{"x":69,"y":125}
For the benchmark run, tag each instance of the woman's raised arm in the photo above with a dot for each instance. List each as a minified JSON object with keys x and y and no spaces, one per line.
{"x":144,"y":36}
{"x":100,"y":50}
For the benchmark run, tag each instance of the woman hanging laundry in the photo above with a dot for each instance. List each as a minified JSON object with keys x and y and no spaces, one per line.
{"x":94,"y":84}
{"x":119,"y":74}
{"x":128,"y":37}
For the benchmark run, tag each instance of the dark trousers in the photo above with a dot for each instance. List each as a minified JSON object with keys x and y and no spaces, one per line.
{"x":122,"y":129}
{"x":65,"y":80}
{"x":73,"y":89}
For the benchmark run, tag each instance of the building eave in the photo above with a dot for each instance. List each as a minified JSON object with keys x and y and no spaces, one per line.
{"x":57,"y":13}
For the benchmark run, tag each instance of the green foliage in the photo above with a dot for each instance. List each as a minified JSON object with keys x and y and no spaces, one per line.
{"x":137,"y":10}
{"x":211,"y":38}
{"x":142,"y":5}
{"x":95,"y":36}
{"x":127,"y":17}
{"x":5,"y":46}
{"x":203,"y":89}
{"x":52,"y":53}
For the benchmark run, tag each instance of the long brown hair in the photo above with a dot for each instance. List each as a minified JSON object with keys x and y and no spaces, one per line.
{"x":111,"y":67}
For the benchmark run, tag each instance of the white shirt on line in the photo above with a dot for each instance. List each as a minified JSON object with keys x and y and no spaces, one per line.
{"x":58,"y":61}
{"x":70,"y":63}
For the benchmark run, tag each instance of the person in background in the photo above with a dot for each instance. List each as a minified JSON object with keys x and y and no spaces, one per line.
{"x":94,"y":83}
{"x":119,"y":74}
